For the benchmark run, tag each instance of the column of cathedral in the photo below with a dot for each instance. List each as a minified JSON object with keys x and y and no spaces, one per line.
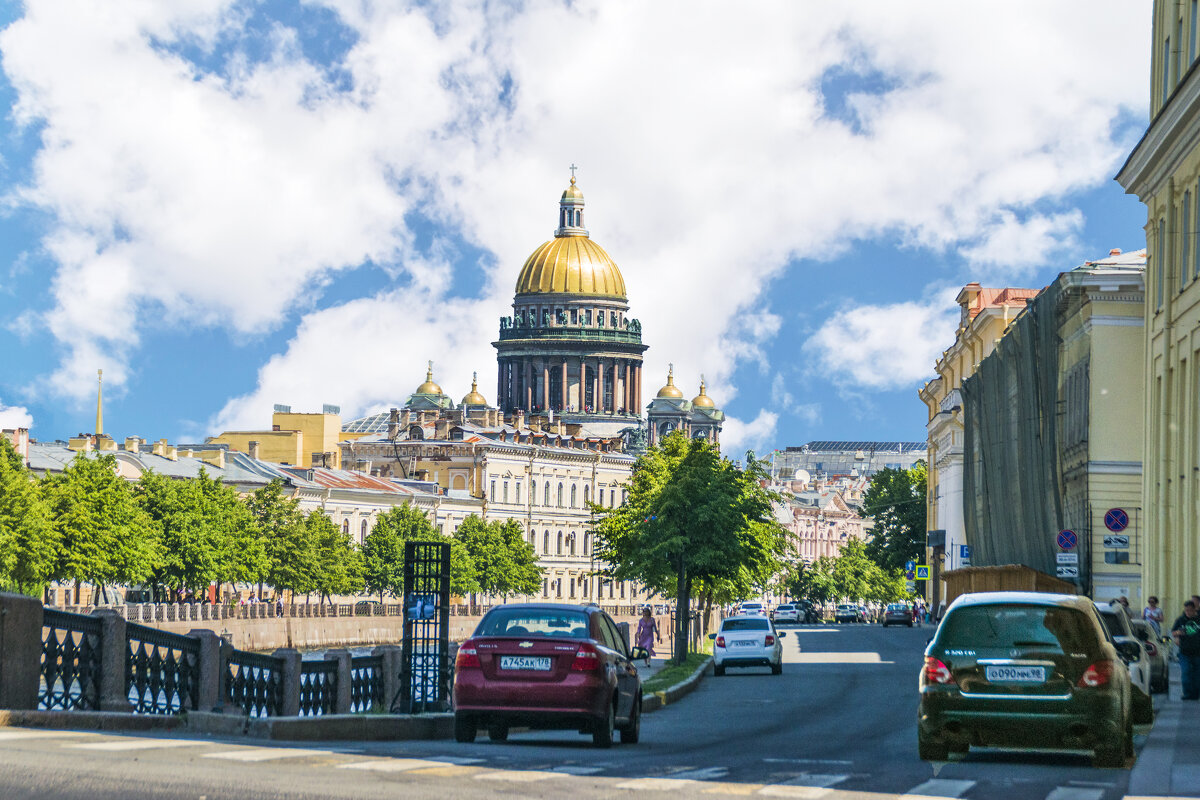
{"x":534,"y":389}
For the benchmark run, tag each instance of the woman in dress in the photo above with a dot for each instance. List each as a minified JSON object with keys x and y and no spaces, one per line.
{"x":1154,"y":615}
{"x":647,"y":632}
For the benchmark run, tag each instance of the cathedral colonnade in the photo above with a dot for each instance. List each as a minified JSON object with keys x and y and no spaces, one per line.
{"x":580,"y":384}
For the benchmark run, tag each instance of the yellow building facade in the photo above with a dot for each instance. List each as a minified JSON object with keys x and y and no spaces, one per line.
{"x":294,"y":440}
{"x":1164,"y":172}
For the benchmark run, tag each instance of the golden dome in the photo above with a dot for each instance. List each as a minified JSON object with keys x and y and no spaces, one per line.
{"x":571,"y":265}
{"x":572,"y":192}
{"x":670,"y":390}
{"x":474,"y":398}
{"x":429,"y":387}
{"x":702,"y":400}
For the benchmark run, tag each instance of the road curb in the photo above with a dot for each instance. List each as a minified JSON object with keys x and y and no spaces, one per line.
{"x":671,"y":694}
{"x":1151,"y":774}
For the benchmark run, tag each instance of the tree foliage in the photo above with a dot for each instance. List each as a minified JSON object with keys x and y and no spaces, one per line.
{"x":852,"y":577}
{"x":895,"y":500}
{"x":29,"y":542}
{"x":504,"y":563}
{"x":338,"y":566}
{"x":383,"y":552}
{"x":291,"y":558}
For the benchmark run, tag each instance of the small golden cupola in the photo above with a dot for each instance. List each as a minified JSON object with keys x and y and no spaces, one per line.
{"x":702,"y":400}
{"x":429,"y":387}
{"x":474,"y":398}
{"x":670,"y":390}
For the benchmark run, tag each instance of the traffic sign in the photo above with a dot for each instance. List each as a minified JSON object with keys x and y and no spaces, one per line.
{"x":1116,"y":520}
{"x":922,"y":573}
{"x":1068,"y":558}
{"x":910,"y":565}
{"x":909,"y":574}
{"x":1068,"y":572}
{"x":964,"y":552}
{"x":1067,"y":539}
{"x":1116,"y":542}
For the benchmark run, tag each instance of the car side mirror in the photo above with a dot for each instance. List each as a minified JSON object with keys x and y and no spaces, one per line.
{"x":712,"y":636}
{"x":1130,"y":651}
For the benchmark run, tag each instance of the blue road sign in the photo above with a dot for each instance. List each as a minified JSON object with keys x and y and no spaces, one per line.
{"x":1116,"y":520}
{"x":1067,"y":539}
{"x":964,"y":552}
{"x":922,"y":573}
{"x":909,"y":566}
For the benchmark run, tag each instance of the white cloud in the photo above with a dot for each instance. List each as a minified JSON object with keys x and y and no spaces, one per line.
{"x":885,"y":347}
{"x":1011,"y":246}
{"x":738,"y":436}
{"x":14,"y":417}
{"x":181,"y":197}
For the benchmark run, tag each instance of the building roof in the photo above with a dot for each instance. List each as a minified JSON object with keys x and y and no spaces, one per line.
{"x":871,"y":447}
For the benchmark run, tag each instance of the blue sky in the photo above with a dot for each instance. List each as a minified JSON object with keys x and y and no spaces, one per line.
{"x":227,"y":205}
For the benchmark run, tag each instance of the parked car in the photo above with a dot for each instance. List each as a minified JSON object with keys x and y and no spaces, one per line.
{"x":1157,"y":648}
{"x":747,"y":641}
{"x":898,"y":614}
{"x":786,"y":613}
{"x":753,"y":607}
{"x":1136,"y":659}
{"x":1024,"y":669}
{"x":808,"y":612}
{"x":847,"y":612}
{"x":544,"y":665}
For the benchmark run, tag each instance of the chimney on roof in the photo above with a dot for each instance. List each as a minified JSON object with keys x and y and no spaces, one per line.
{"x":254,"y":445}
{"x":518,"y":420}
{"x":1116,"y":251}
{"x":393,"y":429}
{"x":441,"y":429}
{"x":214,"y":457}
{"x":133,"y":444}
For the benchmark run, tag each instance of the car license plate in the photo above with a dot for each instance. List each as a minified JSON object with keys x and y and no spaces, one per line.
{"x":744,"y":644}
{"x":525,"y":662}
{"x":1016,"y":674}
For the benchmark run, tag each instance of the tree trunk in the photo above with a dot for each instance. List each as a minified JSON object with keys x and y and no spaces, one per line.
{"x":683,"y":588}
{"x":708,"y":604}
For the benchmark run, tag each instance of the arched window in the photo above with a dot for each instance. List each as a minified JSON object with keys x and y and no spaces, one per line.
{"x":573,"y":487}
{"x":547,"y":494}
{"x":571,"y":544}
{"x":364,"y":529}
{"x":346,"y":526}
{"x":546,"y":543}
{"x":560,"y":495}
{"x":560,"y":543}
{"x":586,"y":494}
{"x":587,"y":543}
{"x":416,"y":432}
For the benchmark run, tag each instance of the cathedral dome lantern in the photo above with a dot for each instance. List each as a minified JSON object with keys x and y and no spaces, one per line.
{"x":702,"y":400}
{"x":428,"y":396}
{"x":474,"y":398}
{"x":429,"y":387}
{"x":670,"y":391}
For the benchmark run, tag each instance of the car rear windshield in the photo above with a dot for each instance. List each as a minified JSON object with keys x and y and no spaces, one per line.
{"x":847,"y":608}
{"x":751,"y":605}
{"x":897,"y":607}
{"x":1113,"y":623}
{"x":745,"y":625}
{"x":1008,"y":625}
{"x":534,"y":622}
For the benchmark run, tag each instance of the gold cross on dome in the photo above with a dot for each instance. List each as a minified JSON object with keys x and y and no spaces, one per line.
{"x":573,"y":168}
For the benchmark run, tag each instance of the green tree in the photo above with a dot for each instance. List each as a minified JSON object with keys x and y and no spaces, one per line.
{"x":814,"y":581}
{"x":692,"y":519}
{"x":338,"y":564}
{"x":244,"y":556}
{"x":503,"y":561}
{"x":28,"y":540}
{"x":291,"y":562}
{"x":383,"y":552}
{"x":185,"y":533}
{"x":106,"y":538}
{"x":383,"y":560}
{"x":895,"y":500}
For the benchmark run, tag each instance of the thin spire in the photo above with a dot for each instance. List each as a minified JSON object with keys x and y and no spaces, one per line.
{"x":99,"y":402}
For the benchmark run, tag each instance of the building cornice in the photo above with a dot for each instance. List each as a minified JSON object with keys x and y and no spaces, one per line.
{"x":1171,"y":137}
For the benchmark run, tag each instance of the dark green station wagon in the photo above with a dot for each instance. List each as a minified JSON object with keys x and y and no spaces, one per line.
{"x":1024,"y":669}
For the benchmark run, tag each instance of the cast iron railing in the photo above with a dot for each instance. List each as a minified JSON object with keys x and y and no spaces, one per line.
{"x":254,"y":683}
{"x":70,"y":662}
{"x":366,"y":684}
{"x":162,"y":670}
{"x":318,"y":687}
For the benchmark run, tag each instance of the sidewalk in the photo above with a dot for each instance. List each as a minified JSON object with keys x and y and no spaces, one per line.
{"x":1169,"y":765}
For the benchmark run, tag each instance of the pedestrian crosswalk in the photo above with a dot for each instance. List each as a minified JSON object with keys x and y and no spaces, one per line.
{"x":799,"y":779}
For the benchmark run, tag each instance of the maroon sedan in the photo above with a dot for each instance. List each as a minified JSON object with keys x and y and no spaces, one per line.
{"x":542,"y":665}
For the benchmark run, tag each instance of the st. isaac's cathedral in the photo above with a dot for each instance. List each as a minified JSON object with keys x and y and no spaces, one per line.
{"x":569,"y":363}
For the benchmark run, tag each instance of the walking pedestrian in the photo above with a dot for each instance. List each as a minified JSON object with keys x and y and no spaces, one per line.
{"x":1186,"y":632}
{"x":1154,"y":615}
{"x":647,"y":632}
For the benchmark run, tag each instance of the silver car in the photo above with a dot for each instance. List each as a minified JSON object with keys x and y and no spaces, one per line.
{"x":747,"y":641}
{"x":1156,"y":649}
{"x":786,"y":613}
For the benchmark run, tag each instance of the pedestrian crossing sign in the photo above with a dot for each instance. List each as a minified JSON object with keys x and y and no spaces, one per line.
{"x":922,"y":573}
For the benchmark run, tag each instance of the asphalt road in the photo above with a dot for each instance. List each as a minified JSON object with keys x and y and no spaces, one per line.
{"x":838,"y":724}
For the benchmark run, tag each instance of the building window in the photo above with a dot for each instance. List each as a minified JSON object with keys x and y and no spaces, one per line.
{"x":560,"y":495}
{"x":612,"y":498}
{"x":573,"y":488}
{"x":1160,"y":274}
{"x":547,"y":494}
{"x":574,"y":316}
{"x":1185,"y":243}
{"x":492,"y":496}
{"x":587,"y":317}
{"x":586,"y":491}
{"x":517,"y":488}
{"x":545,"y":587}
{"x":1166,"y":70}
{"x":587,"y":543}
{"x":571,"y":544}
{"x":364,"y":529}
{"x":560,"y":543}
{"x":346,"y":526}
{"x":506,"y":491}
{"x":546,"y":543}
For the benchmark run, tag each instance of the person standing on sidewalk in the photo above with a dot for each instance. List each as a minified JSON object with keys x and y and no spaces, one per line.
{"x":1154,"y":615}
{"x":1186,"y":632}
{"x":647,"y":631}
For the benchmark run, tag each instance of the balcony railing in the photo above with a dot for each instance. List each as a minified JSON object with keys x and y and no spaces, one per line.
{"x":575,"y":333}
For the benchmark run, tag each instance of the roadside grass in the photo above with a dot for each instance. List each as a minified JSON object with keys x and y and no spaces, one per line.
{"x":669,"y":676}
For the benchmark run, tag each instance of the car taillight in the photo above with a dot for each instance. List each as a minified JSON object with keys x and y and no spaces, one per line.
{"x":720,"y":641}
{"x":467,"y":658}
{"x":1151,"y":650}
{"x":770,"y":640}
{"x":937,"y":672}
{"x":586,"y":659}
{"x":1098,"y":674}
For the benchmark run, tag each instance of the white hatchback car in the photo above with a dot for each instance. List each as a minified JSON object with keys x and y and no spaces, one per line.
{"x":753,"y":607}
{"x":747,"y":641}
{"x":786,"y":613}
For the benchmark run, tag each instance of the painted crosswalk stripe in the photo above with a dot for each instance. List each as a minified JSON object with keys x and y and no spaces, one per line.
{"x":938,"y":787}
{"x":15,"y":734}
{"x":703,"y":774}
{"x":517,"y":775}
{"x":661,"y":784}
{"x":266,"y":754}
{"x":392,"y":764}
{"x":574,"y":769}
{"x":137,"y":744}
{"x":801,"y":792}
{"x":1075,"y":793}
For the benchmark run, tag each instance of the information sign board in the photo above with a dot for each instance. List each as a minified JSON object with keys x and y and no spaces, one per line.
{"x":922,"y":572}
{"x":1116,"y":541}
{"x":1068,"y":558}
{"x":1068,"y":572}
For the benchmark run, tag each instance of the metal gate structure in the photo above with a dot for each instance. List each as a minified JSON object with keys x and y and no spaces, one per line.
{"x":425,"y":667}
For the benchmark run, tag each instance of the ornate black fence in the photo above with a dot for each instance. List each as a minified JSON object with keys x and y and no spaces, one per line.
{"x":318,"y":687}
{"x":70,"y":662}
{"x":254,"y":683}
{"x":424,"y":677}
{"x":366,"y":684}
{"x":162,"y":670}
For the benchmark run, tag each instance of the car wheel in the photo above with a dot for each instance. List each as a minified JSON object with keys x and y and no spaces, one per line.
{"x":498,"y":731}
{"x":464,"y":728}
{"x":602,"y":733}
{"x":1160,"y":684}
{"x":929,"y":750}
{"x":777,"y":669}
{"x":718,"y":670}
{"x":1143,"y":707}
{"x":633,"y":731}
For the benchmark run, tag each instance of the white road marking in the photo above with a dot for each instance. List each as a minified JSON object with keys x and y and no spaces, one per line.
{"x":702,"y":774}
{"x":808,"y":761}
{"x":517,"y":775}
{"x":137,"y":744}
{"x":802,"y":792}
{"x":836,"y":658}
{"x":266,"y":753}
{"x":660,"y":784}
{"x":14,"y":734}
{"x":1075,"y":793}
{"x":938,"y":787}
{"x":456,"y":760}
{"x":572,"y":769}
{"x":392,"y":764}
